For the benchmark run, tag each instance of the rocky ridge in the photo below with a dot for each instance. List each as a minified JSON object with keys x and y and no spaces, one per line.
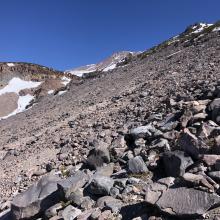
{"x":139,"y":143}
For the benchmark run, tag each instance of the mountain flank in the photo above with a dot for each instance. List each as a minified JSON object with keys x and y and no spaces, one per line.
{"x":139,"y":141}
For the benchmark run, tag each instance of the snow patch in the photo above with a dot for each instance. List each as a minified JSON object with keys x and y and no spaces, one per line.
{"x":10,"y":64}
{"x":15,"y":85}
{"x":174,"y":54}
{"x":62,"y":92}
{"x":65,"y":80}
{"x":216,"y":29}
{"x":199,"y":28}
{"x":111,"y":67}
{"x":50,"y":92}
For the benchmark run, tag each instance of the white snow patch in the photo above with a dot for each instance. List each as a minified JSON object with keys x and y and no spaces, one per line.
{"x":201,"y":27}
{"x":216,"y":29}
{"x":174,"y":54}
{"x":111,"y":67}
{"x":65,"y":80}
{"x":23,"y":102}
{"x":10,"y":64}
{"x":80,"y":72}
{"x":50,"y":92}
{"x":62,"y":92}
{"x":15,"y":85}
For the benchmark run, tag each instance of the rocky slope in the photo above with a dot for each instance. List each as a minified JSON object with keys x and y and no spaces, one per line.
{"x":139,"y":143}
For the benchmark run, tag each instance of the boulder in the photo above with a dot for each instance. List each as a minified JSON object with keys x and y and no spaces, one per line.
{"x":186,"y":202}
{"x":71,"y":184}
{"x":38,"y":198}
{"x":214,"y":108}
{"x":148,"y":131}
{"x":109,"y":202}
{"x":215,"y":175}
{"x":197,"y":180}
{"x":100,"y":185}
{"x":98,"y":156}
{"x":210,"y":159}
{"x":189,"y":143}
{"x":176,"y":162}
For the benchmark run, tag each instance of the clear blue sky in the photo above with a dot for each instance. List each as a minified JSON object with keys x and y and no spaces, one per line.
{"x":70,"y":33}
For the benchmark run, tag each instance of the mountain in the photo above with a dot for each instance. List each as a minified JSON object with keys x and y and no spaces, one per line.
{"x":110,"y":63}
{"x":137,"y":142}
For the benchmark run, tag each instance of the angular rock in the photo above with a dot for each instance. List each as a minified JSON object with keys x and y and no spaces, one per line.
{"x":53,"y":210}
{"x":197,"y":180}
{"x":38,"y":198}
{"x":176,"y":162}
{"x":215,"y":175}
{"x":184,"y":202}
{"x":71,"y":184}
{"x":70,"y":213}
{"x":161,"y":144}
{"x":210,"y":159}
{"x":105,"y":170}
{"x":189,"y":143}
{"x":170,"y":122}
{"x":137,"y":165}
{"x":214,"y":108}
{"x":109,"y":202}
{"x":147,"y":131}
{"x":98,"y":156}
{"x":3,"y":154}
{"x":100,"y":185}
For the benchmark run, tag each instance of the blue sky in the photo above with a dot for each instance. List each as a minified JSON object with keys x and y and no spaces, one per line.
{"x":70,"y":33}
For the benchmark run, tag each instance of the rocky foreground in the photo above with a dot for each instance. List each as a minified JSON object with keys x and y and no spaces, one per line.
{"x":141,"y":142}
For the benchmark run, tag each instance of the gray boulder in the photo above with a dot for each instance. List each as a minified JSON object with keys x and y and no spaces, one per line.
{"x":214,"y":108}
{"x":181,"y":202}
{"x":71,"y":184}
{"x":148,"y":131}
{"x":38,"y":198}
{"x":100,"y":185}
{"x":176,"y":162}
{"x":215,"y":175}
{"x":186,"y":202}
{"x":109,"y":202}
{"x":98,"y":156}
{"x":189,"y":143}
{"x":137,"y":165}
